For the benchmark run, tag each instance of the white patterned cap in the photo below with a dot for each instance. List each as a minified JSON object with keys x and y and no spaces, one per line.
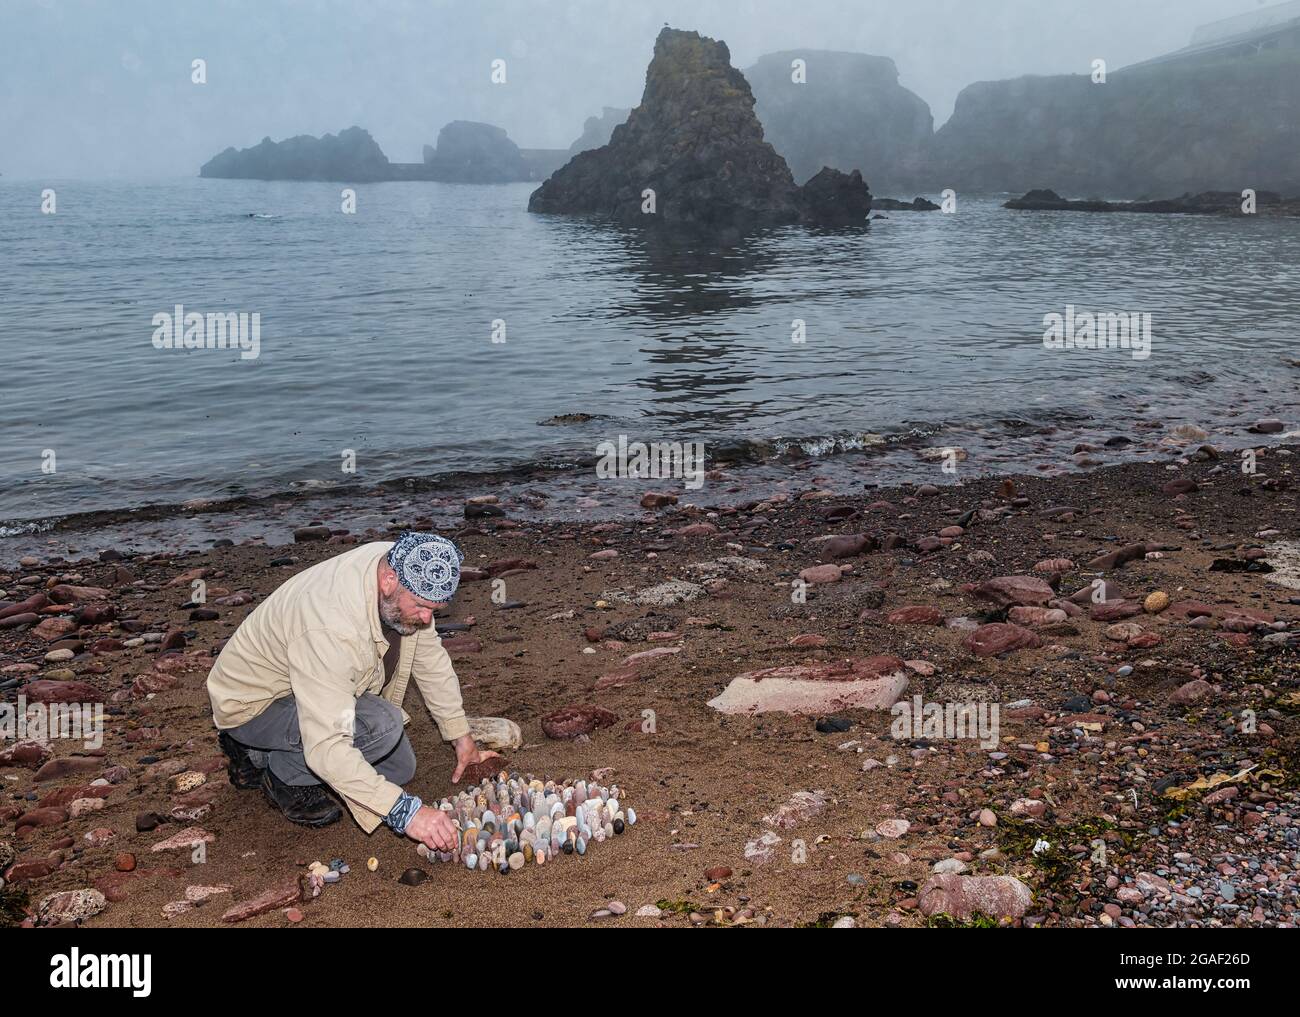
{"x":427,"y":565}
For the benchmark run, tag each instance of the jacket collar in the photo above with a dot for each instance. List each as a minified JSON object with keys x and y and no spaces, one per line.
{"x":372,"y":597}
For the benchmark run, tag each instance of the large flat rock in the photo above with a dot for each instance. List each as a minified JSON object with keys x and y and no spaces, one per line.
{"x":873,"y":683}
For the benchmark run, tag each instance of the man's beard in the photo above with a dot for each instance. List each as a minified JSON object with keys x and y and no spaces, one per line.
{"x":391,"y":615}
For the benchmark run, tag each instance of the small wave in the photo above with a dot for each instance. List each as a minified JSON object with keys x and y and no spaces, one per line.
{"x":827,"y":445}
{"x":18,"y":529}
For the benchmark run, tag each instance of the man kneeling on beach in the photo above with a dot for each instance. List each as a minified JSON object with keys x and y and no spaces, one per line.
{"x":308,"y":691}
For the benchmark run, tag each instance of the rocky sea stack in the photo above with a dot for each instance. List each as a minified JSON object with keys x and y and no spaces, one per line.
{"x":471,"y":152}
{"x":467,"y":153}
{"x":695,"y":142}
{"x":350,"y":155}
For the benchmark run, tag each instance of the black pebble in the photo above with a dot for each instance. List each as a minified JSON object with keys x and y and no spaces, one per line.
{"x":413,"y":877}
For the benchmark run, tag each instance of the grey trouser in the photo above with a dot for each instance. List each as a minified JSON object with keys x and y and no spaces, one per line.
{"x":273,"y":740}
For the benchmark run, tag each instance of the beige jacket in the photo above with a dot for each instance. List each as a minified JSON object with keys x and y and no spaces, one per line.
{"x":318,"y":638}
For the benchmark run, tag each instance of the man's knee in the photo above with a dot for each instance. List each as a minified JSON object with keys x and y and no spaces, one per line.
{"x":378,"y":726}
{"x":399,"y":765}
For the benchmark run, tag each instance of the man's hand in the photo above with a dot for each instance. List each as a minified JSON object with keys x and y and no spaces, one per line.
{"x":432,"y":828}
{"x":467,"y":753}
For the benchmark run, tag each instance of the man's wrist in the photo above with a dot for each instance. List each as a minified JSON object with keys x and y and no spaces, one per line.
{"x":401,"y":814}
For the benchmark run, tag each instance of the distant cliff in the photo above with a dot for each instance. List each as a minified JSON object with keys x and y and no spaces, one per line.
{"x":1148,"y":131}
{"x":467,"y":152}
{"x":350,"y":156}
{"x":693,"y":153}
{"x":597,"y":130}
{"x":470,"y":152}
{"x":849,"y":112}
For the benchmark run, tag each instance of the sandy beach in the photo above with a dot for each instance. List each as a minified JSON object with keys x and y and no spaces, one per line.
{"x":1108,"y":711}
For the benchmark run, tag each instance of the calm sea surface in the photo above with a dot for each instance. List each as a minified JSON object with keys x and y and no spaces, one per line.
{"x":377,"y":329}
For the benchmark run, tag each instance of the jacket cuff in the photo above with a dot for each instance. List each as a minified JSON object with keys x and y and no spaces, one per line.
{"x":453,"y":728}
{"x":370,"y":816}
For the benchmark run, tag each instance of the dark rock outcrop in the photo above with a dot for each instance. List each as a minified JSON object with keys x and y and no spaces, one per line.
{"x":696,"y":146}
{"x":475,"y":153}
{"x":350,"y":156}
{"x":1206,"y":203}
{"x":850,"y":112}
{"x":1166,"y":128}
{"x":596,"y":131}
{"x":467,"y":153}
{"x":834,"y":198}
{"x":894,"y":205}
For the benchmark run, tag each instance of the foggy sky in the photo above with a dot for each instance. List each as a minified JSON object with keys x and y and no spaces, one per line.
{"x":102,"y":89}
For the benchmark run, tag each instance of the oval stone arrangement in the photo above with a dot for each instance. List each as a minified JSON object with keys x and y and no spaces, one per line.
{"x":511,"y":821}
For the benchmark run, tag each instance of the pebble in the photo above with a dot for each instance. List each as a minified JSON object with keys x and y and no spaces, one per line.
{"x":70,"y":906}
{"x":1155,"y":602}
{"x":280,"y":896}
{"x":893,"y":828}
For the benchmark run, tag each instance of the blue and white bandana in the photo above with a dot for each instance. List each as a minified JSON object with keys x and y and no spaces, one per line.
{"x":427,"y":565}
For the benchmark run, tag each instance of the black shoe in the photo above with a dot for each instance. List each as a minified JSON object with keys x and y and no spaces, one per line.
{"x":307,"y":806}
{"x":244,"y":773}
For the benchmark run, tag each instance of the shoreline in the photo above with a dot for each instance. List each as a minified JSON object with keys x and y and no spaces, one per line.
{"x":571,"y":490}
{"x":1090,"y":715}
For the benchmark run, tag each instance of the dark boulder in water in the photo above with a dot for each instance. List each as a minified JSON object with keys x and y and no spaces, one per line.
{"x":894,"y":205}
{"x":1206,"y":203}
{"x":835,"y":198}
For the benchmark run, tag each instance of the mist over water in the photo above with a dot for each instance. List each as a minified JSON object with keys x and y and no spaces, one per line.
{"x":97,"y":90}
{"x":376,"y":334}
